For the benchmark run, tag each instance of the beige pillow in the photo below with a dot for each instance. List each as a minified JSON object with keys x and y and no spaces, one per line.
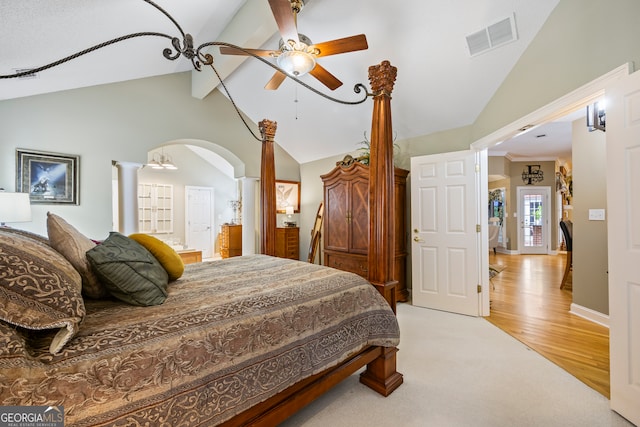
{"x":39,"y":288}
{"x":74,"y":245}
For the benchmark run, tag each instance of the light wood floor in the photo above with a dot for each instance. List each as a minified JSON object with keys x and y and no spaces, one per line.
{"x":528,"y":304}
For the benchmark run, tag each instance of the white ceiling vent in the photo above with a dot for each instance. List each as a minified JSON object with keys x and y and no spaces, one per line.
{"x":498,"y":34}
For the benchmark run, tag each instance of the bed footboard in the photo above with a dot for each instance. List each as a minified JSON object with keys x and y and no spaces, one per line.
{"x":281,"y":406}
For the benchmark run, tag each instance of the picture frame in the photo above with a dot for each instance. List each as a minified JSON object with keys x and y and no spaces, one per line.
{"x":287,"y":194}
{"x":49,"y":178}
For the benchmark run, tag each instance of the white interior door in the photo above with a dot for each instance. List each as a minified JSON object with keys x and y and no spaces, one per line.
{"x":199,"y":219}
{"x":623,"y":204}
{"x":444,"y":251}
{"x":533,"y":219}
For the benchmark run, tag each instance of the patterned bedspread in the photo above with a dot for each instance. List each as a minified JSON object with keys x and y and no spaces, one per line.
{"x":231,"y":334}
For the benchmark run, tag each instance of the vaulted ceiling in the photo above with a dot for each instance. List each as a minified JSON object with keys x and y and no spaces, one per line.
{"x":439,"y":84}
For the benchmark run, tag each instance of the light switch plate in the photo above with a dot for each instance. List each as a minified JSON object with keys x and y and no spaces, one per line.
{"x":596,"y":214}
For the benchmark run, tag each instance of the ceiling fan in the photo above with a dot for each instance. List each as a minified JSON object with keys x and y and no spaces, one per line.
{"x":297,"y":54}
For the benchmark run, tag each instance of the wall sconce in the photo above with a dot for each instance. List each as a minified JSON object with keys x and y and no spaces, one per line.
{"x":14,"y":207}
{"x":596,"y":117}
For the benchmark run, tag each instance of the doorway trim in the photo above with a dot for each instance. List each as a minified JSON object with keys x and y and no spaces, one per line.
{"x":562,"y":106}
{"x":579,"y":98}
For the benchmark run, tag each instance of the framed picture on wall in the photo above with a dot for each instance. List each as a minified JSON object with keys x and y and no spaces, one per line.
{"x":49,"y":178}
{"x":287,"y":194}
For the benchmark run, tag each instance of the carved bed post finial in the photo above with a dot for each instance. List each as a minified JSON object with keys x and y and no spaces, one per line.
{"x":381,"y":374}
{"x":268,"y":130}
{"x":382,"y":78}
{"x":268,"y":189}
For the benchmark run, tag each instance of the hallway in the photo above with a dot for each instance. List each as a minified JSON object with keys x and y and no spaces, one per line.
{"x":528,"y":304}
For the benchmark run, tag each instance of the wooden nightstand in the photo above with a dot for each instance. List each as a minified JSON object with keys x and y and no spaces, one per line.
{"x":287,"y":242}
{"x":190,"y":256}
{"x":231,"y":240}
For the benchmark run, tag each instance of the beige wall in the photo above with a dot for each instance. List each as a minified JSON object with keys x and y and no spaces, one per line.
{"x":590,"y":281}
{"x":549,"y":175}
{"x":513,"y":179}
{"x":580,"y":41}
{"x":122,"y":122}
{"x":312,"y":195}
{"x":498,"y":165}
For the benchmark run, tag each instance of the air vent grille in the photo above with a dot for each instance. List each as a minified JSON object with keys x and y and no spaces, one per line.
{"x":498,"y":34}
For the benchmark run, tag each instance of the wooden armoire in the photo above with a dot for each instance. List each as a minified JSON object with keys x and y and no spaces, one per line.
{"x":346,"y":221}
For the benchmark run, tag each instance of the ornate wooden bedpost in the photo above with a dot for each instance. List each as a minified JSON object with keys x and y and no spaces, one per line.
{"x":268,"y":189}
{"x":381,"y":183}
{"x":381,"y":374}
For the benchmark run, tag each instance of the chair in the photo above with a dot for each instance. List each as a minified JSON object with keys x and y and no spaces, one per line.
{"x":567,"y":231}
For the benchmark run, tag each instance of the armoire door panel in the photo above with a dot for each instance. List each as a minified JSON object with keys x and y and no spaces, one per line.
{"x":359,"y":217}
{"x":335,"y":223}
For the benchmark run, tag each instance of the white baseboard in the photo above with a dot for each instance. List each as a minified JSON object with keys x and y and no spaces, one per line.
{"x":589,"y":314}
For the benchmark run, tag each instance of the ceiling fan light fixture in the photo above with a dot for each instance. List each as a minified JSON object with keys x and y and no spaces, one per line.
{"x":296,"y":62}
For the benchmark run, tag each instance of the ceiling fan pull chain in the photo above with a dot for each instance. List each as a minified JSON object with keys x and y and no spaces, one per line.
{"x":295,"y":101}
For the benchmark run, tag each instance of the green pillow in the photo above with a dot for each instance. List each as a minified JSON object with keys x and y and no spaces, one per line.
{"x":129,"y":271}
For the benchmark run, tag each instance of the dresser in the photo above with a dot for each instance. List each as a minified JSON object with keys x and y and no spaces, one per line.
{"x":346,"y":222}
{"x":230,"y":240}
{"x":288,"y":242}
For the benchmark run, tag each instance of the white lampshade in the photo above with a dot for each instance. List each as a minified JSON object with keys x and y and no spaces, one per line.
{"x":295,"y":62}
{"x":289,"y":210}
{"x":14,"y":207}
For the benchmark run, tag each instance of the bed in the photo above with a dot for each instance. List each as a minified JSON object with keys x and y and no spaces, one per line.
{"x":242,"y":341}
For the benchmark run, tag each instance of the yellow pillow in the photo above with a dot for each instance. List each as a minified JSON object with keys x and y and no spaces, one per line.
{"x":168,"y":258}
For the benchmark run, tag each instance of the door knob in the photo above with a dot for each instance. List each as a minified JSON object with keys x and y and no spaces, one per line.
{"x":417,"y":239}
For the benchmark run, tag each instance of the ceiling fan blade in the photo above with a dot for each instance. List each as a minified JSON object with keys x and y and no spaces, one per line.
{"x":347,"y":44}
{"x":225,"y":50}
{"x":327,"y":79}
{"x":275,"y":81}
{"x":285,"y":19}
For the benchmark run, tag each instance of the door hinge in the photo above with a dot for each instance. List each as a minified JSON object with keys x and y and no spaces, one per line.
{"x":477,"y":167}
{"x":477,"y":228}
{"x":479,"y":289}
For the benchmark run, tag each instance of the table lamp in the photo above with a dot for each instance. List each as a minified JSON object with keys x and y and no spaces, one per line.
{"x":14,"y":207}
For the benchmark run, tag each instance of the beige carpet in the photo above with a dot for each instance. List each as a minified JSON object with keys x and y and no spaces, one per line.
{"x":463,"y":371}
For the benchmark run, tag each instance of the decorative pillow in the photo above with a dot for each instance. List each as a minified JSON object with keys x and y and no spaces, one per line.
{"x":29,"y":234}
{"x":39,"y":288}
{"x":129,"y":271}
{"x":73,"y":245}
{"x":164,"y":253}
